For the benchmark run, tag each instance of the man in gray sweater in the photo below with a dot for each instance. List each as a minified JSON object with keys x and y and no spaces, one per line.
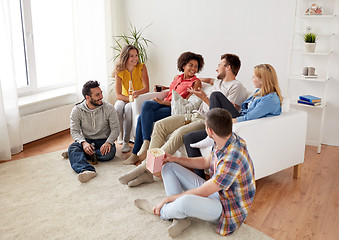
{"x":94,"y":127}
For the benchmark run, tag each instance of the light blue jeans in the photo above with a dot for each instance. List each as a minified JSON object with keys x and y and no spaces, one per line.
{"x":178,"y":179}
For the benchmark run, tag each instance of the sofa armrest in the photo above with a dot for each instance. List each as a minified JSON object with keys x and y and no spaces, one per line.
{"x":137,"y":104}
{"x":275,"y":143}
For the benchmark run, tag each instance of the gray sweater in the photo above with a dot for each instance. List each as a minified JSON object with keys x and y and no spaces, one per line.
{"x":99,"y":123}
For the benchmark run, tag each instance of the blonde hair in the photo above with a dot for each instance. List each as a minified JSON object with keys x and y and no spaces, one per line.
{"x":269,"y":80}
{"x":123,"y":58}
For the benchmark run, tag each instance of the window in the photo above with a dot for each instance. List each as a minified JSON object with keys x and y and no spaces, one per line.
{"x":43,"y":44}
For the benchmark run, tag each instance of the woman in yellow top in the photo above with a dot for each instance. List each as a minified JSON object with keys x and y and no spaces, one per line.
{"x":128,"y":69}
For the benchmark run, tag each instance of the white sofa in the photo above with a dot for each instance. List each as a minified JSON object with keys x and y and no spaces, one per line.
{"x":274,"y":143}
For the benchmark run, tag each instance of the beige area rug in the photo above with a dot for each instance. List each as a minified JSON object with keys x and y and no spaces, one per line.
{"x":41,"y":198}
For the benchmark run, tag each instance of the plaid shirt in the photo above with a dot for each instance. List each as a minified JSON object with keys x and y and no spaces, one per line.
{"x":232,"y":169}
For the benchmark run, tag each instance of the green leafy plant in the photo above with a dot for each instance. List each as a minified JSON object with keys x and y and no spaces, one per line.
{"x":310,"y":37}
{"x":134,"y":38}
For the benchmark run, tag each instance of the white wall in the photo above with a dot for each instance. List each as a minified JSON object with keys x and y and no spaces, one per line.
{"x":331,"y":129}
{"x":257,"y":31}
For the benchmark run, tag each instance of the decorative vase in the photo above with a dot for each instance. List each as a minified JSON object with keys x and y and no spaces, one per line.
{"x":310,"y":47}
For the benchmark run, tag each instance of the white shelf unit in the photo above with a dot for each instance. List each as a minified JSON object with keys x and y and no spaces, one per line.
{"x":323,"y":26}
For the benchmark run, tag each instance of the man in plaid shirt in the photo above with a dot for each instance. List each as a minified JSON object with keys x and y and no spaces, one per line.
{"x":225,"y":198}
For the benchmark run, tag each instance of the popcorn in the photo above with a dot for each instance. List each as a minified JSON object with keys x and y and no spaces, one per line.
{"x":154,"y":160}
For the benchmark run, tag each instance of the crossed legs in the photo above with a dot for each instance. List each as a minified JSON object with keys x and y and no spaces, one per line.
{"x":174,"y":125}
{"x":176,"y":180}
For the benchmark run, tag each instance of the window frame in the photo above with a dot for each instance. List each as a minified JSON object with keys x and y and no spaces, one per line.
{"x":29,"y":55}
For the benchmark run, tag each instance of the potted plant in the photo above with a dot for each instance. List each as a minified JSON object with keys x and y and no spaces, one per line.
{"x":310,"y":41}
{"x":134,"y":38}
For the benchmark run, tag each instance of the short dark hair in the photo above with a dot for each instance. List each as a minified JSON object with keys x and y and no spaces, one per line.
{"x":220,"y":121}
{"x":188,"y":56}
{"x":86,"y":89}
{"x":232,"y":60}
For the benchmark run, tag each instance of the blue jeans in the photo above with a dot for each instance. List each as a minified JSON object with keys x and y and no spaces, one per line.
{"x":150,"y":113}
{"x":78,"y":158}
{"x":178,"y":179}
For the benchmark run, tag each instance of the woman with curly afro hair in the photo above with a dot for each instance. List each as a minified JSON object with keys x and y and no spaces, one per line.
{"x":189,"y":63}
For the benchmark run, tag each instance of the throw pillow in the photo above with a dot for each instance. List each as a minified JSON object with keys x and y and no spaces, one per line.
{"x":179,"y":105}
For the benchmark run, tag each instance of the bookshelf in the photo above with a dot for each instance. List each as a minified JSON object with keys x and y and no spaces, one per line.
{"x":323,"y":26}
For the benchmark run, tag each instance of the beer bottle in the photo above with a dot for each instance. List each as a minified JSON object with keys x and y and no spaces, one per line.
{"x":130,"y":91}
{"x":94,"y":158}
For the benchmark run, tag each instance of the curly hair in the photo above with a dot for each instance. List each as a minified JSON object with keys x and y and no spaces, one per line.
{"x":188,"y":56}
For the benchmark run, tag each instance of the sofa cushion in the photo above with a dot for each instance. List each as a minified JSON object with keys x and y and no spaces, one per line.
{"x":179,"y":105}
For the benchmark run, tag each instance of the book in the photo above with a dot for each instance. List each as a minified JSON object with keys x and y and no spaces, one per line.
{"x":310,"y":98}
{"x":309,"y":103}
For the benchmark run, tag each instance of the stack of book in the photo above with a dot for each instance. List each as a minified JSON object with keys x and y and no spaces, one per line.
{"x":309,"y":100}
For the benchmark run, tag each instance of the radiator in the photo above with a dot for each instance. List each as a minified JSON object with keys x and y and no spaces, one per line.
{"x":43,"y":124}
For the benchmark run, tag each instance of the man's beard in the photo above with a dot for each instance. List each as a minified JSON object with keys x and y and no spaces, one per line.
{"x":94,"y":103}
{"x":221,"y":76}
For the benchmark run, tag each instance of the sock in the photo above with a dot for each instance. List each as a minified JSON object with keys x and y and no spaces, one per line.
{"x":207,"y":142}
{"x":177,"y":227}
{"x":125,"y":147}
{"x":133,"y":174}
{"x":144,"y":148}
{"x":86,"y":175}
{"x":143,"y":204}
{"x":64,"y":154}
{"x":131,"y":160}
{"x":143,"y":156}
{"x":146,"y":177}
{"x":119,"y":140}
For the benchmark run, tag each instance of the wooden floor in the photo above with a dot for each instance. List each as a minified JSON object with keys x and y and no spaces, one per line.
{"x":284,"y":208}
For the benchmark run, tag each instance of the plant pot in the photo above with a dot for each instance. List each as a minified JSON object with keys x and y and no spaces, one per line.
{"x":310,"y":47}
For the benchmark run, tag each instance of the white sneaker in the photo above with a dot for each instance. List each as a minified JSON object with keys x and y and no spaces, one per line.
{"x":86,"y":175}
{"x":125,"y":147}
{"x":120,"y":141}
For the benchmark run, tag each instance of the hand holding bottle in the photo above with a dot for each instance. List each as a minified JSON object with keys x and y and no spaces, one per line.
{"x":130,"y":91}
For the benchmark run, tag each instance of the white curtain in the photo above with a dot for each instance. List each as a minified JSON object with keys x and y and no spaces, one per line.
{"x":92,"y":45}
{"x":90,"y":18}
{"x":10,"y":137}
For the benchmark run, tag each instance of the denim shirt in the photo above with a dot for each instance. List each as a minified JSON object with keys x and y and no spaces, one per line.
{"x":265,"y":106}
